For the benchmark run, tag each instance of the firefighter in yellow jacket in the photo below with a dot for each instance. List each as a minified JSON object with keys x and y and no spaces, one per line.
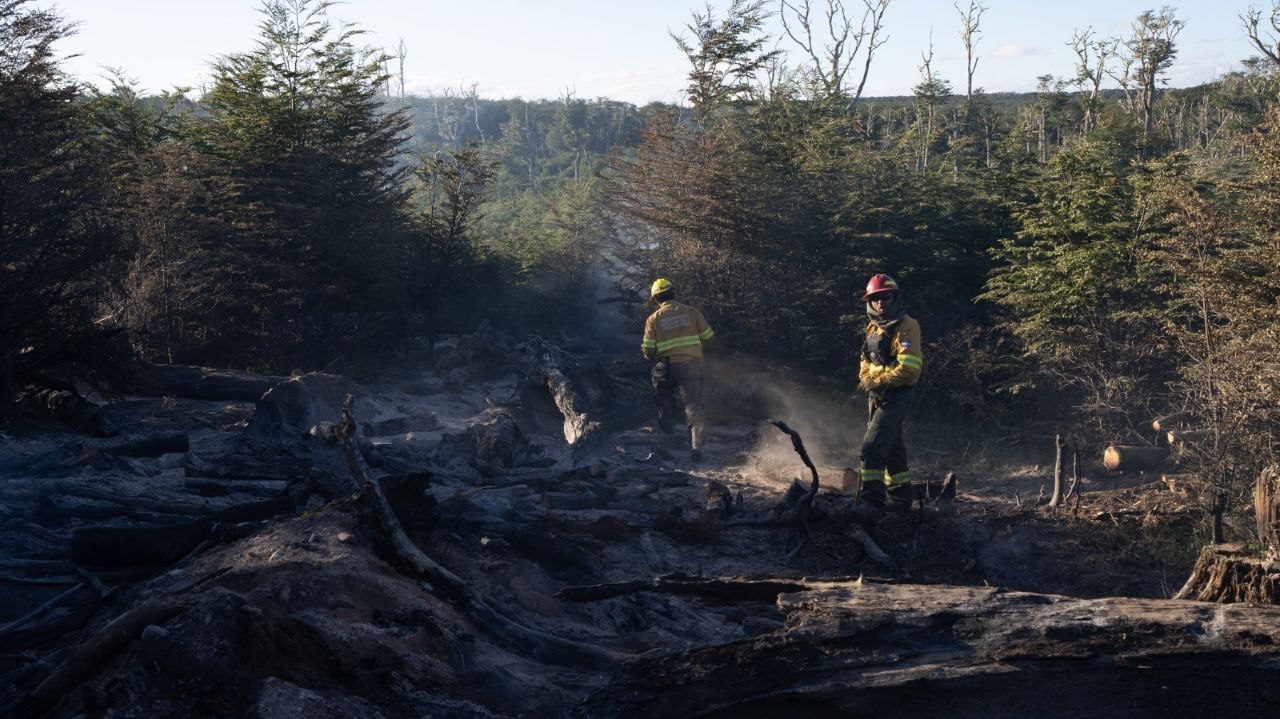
{"x":673,"y":335}
{"x":891,"y":363}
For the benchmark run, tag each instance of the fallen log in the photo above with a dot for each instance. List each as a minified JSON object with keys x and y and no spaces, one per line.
{"x":69,"y":408}
{"x":210,"y":487}
{"x":158,"y":505}
{"x":739,"y":589}
{"x":547,"y":367}
{"x":154,"y":380}
{"x":1187,"y":437}
{"x":1177,"y":420}
{"x":92,"y":654}
{"x":1119,"y":458}
{"x":867,"y":649}
{"x":48,"y":607}
{"x":154,"y":446}
{"x":501,"y":627}
{"x":38,"y":567}
{"x":1228,"y":573}
{"x":62,"y":506}
{"x":165,"y":544}
{"x":37,"y":530}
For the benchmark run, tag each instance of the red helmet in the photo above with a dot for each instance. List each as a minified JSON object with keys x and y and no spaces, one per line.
{"x":879,"y":285}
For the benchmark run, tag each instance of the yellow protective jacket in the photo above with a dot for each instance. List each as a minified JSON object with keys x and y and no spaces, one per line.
{"x":906,"y":363}
{"x":675,"y":331}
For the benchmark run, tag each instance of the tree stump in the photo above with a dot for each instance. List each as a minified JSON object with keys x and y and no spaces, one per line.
{"x":1266,"y":505}
{"x":1225,"y":573}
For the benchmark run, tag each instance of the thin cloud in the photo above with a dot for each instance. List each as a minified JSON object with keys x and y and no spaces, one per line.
{"x":1019,"y":50}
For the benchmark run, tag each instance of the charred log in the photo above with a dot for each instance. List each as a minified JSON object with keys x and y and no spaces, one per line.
{"x":131,"y":546}
{"x":501,"y":627}
{"x":203,"y":383}
{"x":732,"y":589}
{"x":547,"y":366}
{"x":89,"y":656}
{"x":866,"y":648}
{"x":68,"y":407}
{"x":802,"y":536}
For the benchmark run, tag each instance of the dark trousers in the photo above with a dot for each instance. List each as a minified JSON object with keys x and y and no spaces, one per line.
{"x":668,"y":377}
{"x":884,"y":455}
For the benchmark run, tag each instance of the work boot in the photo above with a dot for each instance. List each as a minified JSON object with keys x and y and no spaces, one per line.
{"x":900,"y":497}
{"x":870,"y":506}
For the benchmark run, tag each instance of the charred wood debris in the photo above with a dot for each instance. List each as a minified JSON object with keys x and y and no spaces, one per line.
{"x":183,"y":512}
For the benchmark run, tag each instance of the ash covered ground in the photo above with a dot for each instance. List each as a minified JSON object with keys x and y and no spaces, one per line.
{"x":224,"y":557}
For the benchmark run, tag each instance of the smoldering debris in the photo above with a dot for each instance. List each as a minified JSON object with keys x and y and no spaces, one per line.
{"x":493,"y":567}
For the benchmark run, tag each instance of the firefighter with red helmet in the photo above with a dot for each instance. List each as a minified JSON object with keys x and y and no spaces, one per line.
{"x":890,"y":365}
{"x":673,"y":337}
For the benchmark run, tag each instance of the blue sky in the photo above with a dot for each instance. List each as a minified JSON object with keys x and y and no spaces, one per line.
{"x":620,"y":48}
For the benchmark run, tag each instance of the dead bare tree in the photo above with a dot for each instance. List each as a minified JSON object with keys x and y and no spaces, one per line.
{"x":970,"y":30}
{"x":1092,"y":58}
{"x":1059,"y":470}
{"x":929,"y":92}
{"x":1267,"y":43}
{"x":401,"y":51}
{"x":832,"y":43}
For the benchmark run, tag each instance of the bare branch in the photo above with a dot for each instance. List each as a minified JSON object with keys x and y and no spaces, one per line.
{"x":1266,"y":42}
{"x":831,"y":57}
{"x":970,"y":30}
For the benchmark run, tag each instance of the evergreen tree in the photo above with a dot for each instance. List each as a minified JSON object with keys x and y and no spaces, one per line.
{"x":305,"y":180}
{"x":53,"y":237}
{"x":1081,"y":293}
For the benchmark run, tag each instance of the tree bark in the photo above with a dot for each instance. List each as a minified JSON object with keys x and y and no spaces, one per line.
{"x":868,"y":649}
{"x":1059,"y":469}
{"x":1226,"y":573}
{"x":1119,"y":458}
{"x":1266,"y":506}
{"x":154,"y":380}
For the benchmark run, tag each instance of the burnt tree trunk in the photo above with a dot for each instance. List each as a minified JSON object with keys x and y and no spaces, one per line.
{"x":1227,"y":574}
{"x":548,"y":367}
{"x":1059,"y":469}
{"x":1266,"y":507}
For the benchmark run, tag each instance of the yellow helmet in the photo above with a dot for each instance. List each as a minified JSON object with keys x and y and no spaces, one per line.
{"x":660,"y":285}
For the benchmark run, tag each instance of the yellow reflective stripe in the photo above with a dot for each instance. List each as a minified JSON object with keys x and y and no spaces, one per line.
{"x":877,"y":369}
{"x":873,"y":475}
{"x":911,"y":361}
{"x":706,"y":334}
{"x":649,"y":344}
{"x":690,"y":341}
{"x":899,"y":478}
